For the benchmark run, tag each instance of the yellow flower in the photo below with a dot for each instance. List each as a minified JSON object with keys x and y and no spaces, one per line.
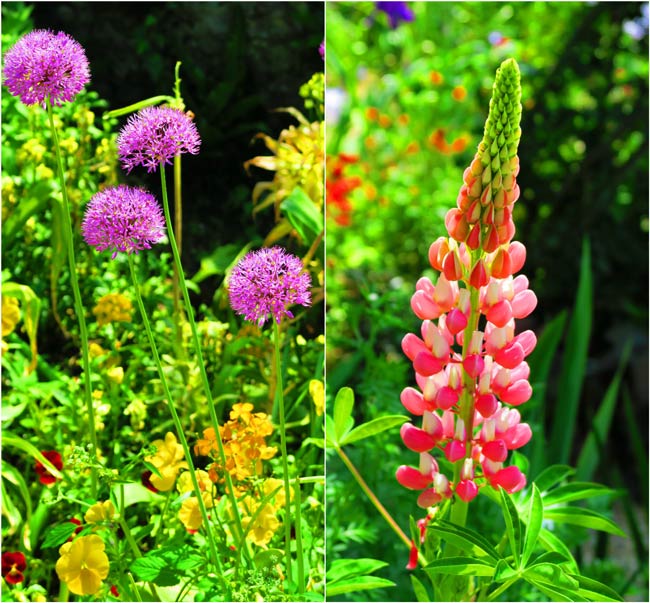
{"x":205,"y":485}
{"x":168,"y":460}
{"x":190,"y":513}
{"x":83,"y":565}
{"x":43,"y":172}
{"x":137,"y":410}
{"x":100,"y":511}
{"x":10,"y":314}
{"x":241,"y":410}
{"x":113,"y":307}
{"x":264,"y":526}
{"x":116,"y":374}
{"x":317,"y":393}
{"x":95,"y":350}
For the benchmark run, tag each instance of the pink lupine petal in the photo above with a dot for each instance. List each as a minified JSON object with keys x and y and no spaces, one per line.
{"x":501,"y":264}
{"x":500,"y":313}
{"x":510,"y":356}
{"x":473,"y":365}
{"x":428,"y":498}
{"x":523,"y":303}
{"x":467,"y":490}
{"x":446,"y":397}
{"x":456,"y":321}
{"x":414,"y":401}
{"x":413,"y":557}
{"x":511,"y":479}
{"x":517,"y":253}
{"x":416,"y":439}
{"x":520,"y":283}
{"x":427,"y":364}
{"x":517,"y":436}
{"x":412,"y":345}
{"x":424,"y":307}
{"x":479,"y":276}
{"x":454,"y":450}
{"x":412,"y":479}
{"x":438,"y":250}
{"x":487,"y":405}
{"x":432,"y":424}
{"x":527,"y":340}
{"x":496,"y":450}
{"x":517,"y":393}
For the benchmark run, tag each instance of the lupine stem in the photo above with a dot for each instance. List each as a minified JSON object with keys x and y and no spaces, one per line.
{"x":176,"y":420}
{"x":199,"y":354}
{"x":79,"y":309}
{"x":279,"y":398}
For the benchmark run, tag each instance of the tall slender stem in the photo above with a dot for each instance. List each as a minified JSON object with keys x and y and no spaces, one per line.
{"x":199,"y":354}
{"x":178,"y":228}
{"x":79,"y":309}
{"x":279,"y":399}
{"x":177,"y":422}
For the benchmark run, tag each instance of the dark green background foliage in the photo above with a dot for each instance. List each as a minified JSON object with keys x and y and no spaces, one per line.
{"x":584,"y":175}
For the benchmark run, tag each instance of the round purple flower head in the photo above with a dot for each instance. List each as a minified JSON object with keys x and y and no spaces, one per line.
{"x":266,"y":282}
{"x":123,"y":218}
{"x":43,"y":64}
{"x":155,"y":135}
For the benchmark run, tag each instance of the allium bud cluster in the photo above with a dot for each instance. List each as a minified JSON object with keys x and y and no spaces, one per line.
{"x":468,"y":358}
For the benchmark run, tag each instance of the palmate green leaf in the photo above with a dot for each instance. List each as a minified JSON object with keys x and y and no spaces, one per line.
{"x":594,"y":590}
{"x":303,"y":214}
{"x":513,"y":525}
{"x":552,"y":476}
{"x":583,"y":517}
{"x":461,"y":566}
{"x":464,"y":539}
{"x":535,"y":517}
{"x":352,"y":585}
{"x":575,"y":491}
{"x":372,"y":428}
{"x":343,"y":404}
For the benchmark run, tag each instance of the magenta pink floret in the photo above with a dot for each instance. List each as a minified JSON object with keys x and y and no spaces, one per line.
{"x":124,"y":219}
{"x":266,"y":282}
{"x":155,"y":136}
{"x":44,"y":65}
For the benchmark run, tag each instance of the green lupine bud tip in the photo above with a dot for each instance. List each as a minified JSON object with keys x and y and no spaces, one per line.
{"x":502,"y":131}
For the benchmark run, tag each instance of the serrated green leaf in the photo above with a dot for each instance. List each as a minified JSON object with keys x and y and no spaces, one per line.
{"x":594,"y":590}
{"x":535,"y":516}
{"x":583,"y":517}
{"x":420,"y":590}
{"x":460,"y":566}
{"x":464,"y":539}
{"x":513,"y":526}
{"x":58,"y":534}
{"x":575,"y":491}
{"x":372,"y":428}
{"x":553,"y":475}
{"x":356,"y":584}
{"x":343,"y":405}
{"x":342,"y":569}
{"x":154,"y":569}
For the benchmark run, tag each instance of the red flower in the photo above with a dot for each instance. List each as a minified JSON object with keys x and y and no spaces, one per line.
{"x":115,"y":592}
{"x":146,"y":481}
{"x":76,"y":522}
{"x":13,"y":566}
{"x":339,"y":187}
{"x":44,"y":476}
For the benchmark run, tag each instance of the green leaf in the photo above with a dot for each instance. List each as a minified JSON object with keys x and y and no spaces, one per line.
{"x":303,"y":214}
{"x":218,"y":262}
{"x":583,"y":517}
{"x":460,"y":566}
{"x":590,"y":455}
{"x":372,"y":428}
{"x":513,"y":526}
{"x":154,"y":100}
{"x":154,"y":569}
{"x":535,"y":517}
{"x":135,"y":493}
{"x":574,"y":363}
{"x":268,"y":558}
{"x":329,"y":432}
{"x":356,"y":584}
{"x":575,"y":491}
{"x":342,"y":569}
{"x":30,"y":449}
{"x":464,"y":539}
{"x":555,"y":593}
{"x":551,"y":574}
{"x":343,"y":405}
{"x":553,"y":475}
{"x":58,"y":534}
{"x":420,"y":590}
{"x":553,"y":544}
{"x":503,"y":572}
{"x":595,"y":591}
{"x":552,"y":557}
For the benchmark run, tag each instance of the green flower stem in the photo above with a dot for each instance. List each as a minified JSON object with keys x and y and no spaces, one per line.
{"x":197,"y":346}
{"x":375,"y":501}
{"x":175,"y":418}
{"x":79,"y":309}
{"x":199,"y":354}
{"x":178,"y":228}
{"x":299,"y":553}
{"x":279,"y":399}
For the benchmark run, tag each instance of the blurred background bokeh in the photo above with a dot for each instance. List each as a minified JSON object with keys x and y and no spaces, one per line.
{"x":407,"y":97}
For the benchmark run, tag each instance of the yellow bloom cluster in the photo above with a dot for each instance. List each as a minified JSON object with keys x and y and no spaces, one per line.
{"x":168,"y":460}
{"x":263,"y":518}
{"x":113,"y":307}
{"x":190,"y":513}
{"x":244,"y":440}
{"x":10,"y":314}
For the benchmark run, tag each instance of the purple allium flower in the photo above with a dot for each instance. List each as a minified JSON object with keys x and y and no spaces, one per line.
{"x":155,"y":135}
{"x":43,"y":64}
{"x":123,"y":218}
{"x":396,"y":11}
{"x":267,"y":281}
